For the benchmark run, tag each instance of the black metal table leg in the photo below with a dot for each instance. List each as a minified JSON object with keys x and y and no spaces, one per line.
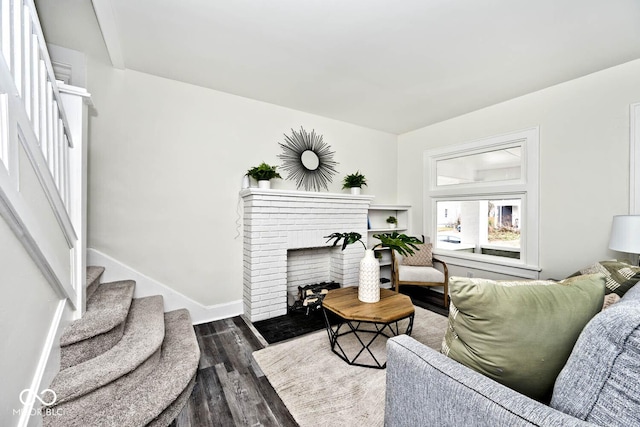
{"x":386,"y":330}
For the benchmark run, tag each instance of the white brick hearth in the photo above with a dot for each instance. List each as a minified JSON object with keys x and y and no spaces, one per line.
{"x":276,"y":221}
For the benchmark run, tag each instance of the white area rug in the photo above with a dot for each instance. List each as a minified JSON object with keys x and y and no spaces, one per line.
{"x":320,"y":389}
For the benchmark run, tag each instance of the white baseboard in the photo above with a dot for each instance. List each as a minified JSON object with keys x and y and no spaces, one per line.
{"x":173,"y":300}
{"x":48,"y":365}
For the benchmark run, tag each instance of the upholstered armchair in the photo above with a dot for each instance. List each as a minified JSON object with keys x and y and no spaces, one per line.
{"x":409,"y":273}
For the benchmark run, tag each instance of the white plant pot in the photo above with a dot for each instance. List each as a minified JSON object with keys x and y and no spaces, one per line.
{"x":369,"y":286}
{"x":391,"y":225}
{"x":264,"y":184}
{"x":355,"y":191}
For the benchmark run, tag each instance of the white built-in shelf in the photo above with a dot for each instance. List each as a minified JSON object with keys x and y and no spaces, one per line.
{"x":373,"y":207}
{"x":378,"y":215}
{"x":386,"y":230}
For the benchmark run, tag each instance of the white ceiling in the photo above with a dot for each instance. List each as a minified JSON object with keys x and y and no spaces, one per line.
{"x":389,"y":65}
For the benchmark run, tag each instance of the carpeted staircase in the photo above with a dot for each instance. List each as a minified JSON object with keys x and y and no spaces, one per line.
{"x":125,"y":363}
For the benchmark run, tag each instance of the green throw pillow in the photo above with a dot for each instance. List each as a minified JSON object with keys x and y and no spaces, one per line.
{"x":519,"y":333}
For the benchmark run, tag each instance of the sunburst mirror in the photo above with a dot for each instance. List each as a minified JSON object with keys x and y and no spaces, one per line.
{"x":308,"y":160}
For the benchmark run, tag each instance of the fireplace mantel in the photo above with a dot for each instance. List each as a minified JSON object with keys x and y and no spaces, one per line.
{"x":306,"y":194}
{"x":278,"y":221}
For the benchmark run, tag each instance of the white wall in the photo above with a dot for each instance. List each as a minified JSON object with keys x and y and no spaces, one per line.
{"x":166,"y":161}
{"x":27,"y":309}
{"x":165,"y":166}
{"x":584,"y":160}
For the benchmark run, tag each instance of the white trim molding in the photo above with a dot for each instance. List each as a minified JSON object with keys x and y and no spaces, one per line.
{"x":524,"y":187}
{"x":108,"y":26}
{"x":634,"y":159}
{"x":173,"y":300}
{"x":48,"y":364}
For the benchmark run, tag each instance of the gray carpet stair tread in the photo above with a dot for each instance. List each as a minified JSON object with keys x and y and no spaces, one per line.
{"x":84,"y":350}
{"x":143,"y":336}
{"x":93,"y":279}
{"x":107,"y":308}
{"x":133,"y":402}
{"x":93,"y":273}
{"x":172,"y":411}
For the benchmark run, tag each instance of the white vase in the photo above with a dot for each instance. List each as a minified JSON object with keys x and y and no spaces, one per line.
{"x":392,"y":225}
{"x":355,"y":191}
{"x":369,"y":286}
{"x":246,"y":182}
{"x":264,"y":184}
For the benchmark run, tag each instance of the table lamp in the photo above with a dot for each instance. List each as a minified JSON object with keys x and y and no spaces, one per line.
{"x":625,"y":234}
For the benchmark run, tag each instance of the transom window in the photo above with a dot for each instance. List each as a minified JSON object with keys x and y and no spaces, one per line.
{"x":481,"y":199}
{"x":504,"y":164}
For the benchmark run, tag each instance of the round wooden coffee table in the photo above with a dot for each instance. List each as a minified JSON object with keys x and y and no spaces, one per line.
{"x":366,"y":322}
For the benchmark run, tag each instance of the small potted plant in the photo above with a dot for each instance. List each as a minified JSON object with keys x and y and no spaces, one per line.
{"x":354,"y":181}
{"x":392,"y":221}
{"x":263,"y":174}
{"x":369,"y":284}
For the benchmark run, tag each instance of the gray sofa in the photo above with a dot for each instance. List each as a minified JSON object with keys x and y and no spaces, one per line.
{"x":599,"y":385}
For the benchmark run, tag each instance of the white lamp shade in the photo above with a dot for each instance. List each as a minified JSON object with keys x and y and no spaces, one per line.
{"x":625,"y":234}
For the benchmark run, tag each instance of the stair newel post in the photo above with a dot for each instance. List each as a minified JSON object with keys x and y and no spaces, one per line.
{"x":76,"y":102}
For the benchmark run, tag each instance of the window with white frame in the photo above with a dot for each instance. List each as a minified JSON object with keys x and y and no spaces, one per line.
{"x":481,"y":200}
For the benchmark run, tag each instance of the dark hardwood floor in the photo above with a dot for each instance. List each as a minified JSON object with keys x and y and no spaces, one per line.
{"x":230,"y":389}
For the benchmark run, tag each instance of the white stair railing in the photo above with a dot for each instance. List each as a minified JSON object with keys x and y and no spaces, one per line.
{"x":37,"y":151}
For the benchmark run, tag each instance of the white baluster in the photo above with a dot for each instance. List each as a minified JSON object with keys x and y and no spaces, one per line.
{"x":26,"y":60}
{"x":44,"y":124}
{"x":5,"y":34}
{"x":35,"y":78}
{"x":17,"y":45}
{"x":4,"y":133}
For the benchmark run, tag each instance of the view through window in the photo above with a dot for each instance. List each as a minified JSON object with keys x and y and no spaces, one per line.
{"x":490,"y":227}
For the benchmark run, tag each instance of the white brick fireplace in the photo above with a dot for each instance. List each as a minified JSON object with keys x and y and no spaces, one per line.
{"x":277,"y":221}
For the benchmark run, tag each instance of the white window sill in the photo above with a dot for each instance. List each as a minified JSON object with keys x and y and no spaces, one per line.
{"x":488,"y":263}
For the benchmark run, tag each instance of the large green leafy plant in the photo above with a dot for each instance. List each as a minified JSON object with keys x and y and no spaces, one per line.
{"x":401,"y":243}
